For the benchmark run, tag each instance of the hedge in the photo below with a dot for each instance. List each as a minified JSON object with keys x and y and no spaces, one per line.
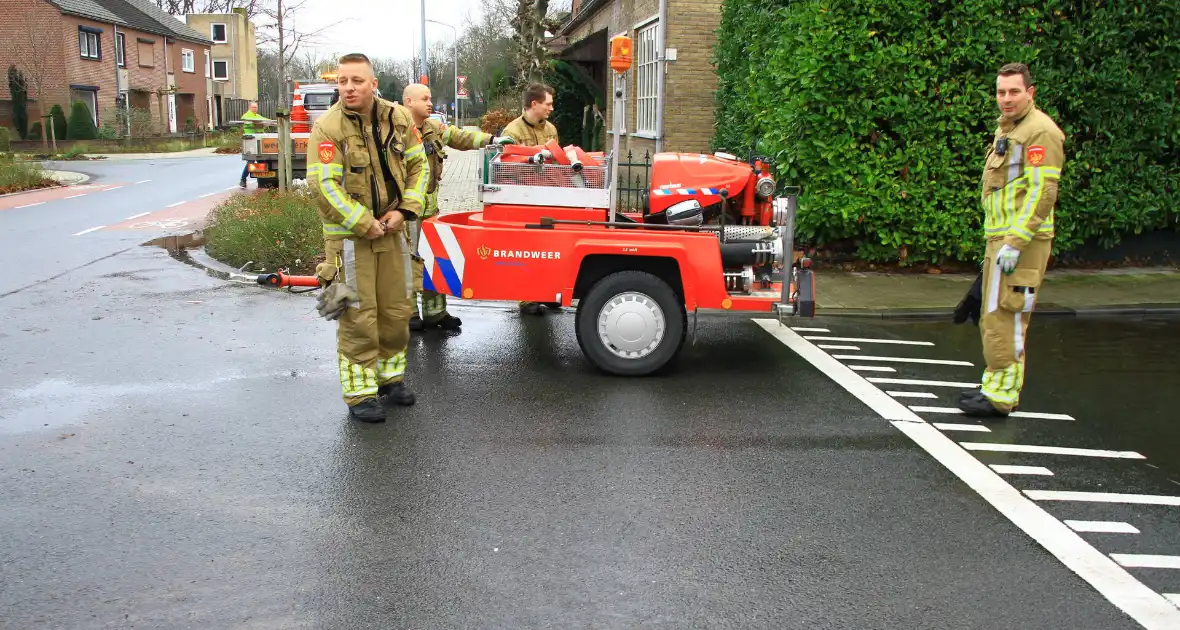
{"x":882,"y":111}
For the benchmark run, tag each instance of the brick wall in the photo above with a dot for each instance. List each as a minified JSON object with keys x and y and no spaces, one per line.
{"x":98,"y":73}
{"x":691,"y":80}
{"x":189,"y":82}
{"x":28,"y":26}
{"x":146,"y":70}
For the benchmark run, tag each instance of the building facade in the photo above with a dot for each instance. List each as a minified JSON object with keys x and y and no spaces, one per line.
{"x":232,"y":62}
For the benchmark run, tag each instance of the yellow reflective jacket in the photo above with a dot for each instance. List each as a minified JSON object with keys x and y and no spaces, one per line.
{"x":1019,"y":184}
{"x":350,"y":184}
{"x":530,"y":135}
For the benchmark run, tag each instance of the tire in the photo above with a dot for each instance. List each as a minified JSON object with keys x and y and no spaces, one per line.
{"x":269,"y":182}
{"x":646,"y":302}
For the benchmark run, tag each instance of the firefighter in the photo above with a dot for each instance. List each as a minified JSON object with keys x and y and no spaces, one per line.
{"x":436,"y":135}
{"x":532,"y":128}
{"x":249,"y":126}
{"x":368,"y":172}
{"x":1018,"y":193}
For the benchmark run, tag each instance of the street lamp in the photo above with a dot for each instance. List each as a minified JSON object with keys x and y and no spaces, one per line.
{"x":455,"y":50}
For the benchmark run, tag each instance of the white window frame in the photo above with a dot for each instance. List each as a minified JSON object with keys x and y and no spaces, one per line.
{"x":121,"y":50}
{"x":213,"y":31}
{"x":88,"y":45}
{"x":221,"y":61}
{"x":187,"y":60}
{"x":208,"y":65}
{"x":647,"y":68}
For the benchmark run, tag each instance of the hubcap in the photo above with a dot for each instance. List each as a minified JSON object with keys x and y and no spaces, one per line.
{"x":631,"y":325}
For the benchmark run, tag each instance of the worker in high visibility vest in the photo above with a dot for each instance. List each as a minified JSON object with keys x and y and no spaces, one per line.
{"x":249,"y":126}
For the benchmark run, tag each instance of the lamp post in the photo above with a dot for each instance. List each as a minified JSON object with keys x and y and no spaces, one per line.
{"x":423,"y":78}
{"x":455,"y":51}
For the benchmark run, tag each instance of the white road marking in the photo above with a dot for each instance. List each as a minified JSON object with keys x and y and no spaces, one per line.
{"x":914,"y":381}
{"x":947,"y":426}
{"x":112,"y":188}
{"x":1174,"y":598}
{"x":1007,"y":469}
{"x":911,"y":394}
{"x":1146,"y":606}
{"x":76,"y":196}
{"x":1102,"y":497}
{"x":208,"y":194}
{"x":1103,"y":527}
{"x":1015,"y":414}
{"x":30,"y":205}
{"x":828,"y":347}
{"x":175,"y":204}
{"x":872,"y":368}
{"x":136,"y":216}
{"x":868,"y":340}
{"x":143,"y":181}
{"x":90,"y":230}
{"x":233,"y":187}
{"x":1048,"y":450}
{"x":801,"y":329}
{"x":1146,"y":561}
{"x":903,"y":360}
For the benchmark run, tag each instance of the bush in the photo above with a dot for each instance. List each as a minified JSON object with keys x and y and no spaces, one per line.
{"x":16,"y":176}
{"x":5,"y":140}
{"x":81,"y":124}
{"x":18,"y":88}
{"x":882,"y":110}
{"x":273,"y":229}
{"x":60,"y":127}
{"x":34,"y":131}
{"x":496,"y":119}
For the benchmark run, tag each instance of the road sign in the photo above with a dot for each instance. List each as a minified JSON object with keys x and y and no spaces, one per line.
{"x":462,"y":92}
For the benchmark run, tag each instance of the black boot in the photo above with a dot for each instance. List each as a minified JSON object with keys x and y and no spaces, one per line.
{"x":449,"y":322}
{"x":416,"y":322}
{"x":970,"y":393}
{"x":980,"y":407}
{"x":367,"y":410}
{"x":396,"y":393}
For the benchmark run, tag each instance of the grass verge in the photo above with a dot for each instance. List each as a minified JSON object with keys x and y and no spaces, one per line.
{"x":16,"y":176}
{"x":275,"y":230}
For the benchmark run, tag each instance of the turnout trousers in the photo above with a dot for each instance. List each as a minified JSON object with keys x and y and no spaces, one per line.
{"x":371,"y":337}
{"x":1007,"y":307}
{"x":434,"y":304}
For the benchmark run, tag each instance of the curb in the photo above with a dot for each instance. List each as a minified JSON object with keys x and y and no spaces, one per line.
{"x":1044,"y":310}
{"x":31,"y":190}
{"x":200,"y":258}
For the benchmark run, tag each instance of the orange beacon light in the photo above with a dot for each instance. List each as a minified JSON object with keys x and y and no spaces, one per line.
{"x":620,"y":53}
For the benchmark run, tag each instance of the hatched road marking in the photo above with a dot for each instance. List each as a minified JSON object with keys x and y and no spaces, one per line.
{"x":1102,"y":497}
{"x":868,"y":340}
{"x":855,"y":357}
{"x":1007,"y":469}
{"x":1103,"y":572}
{"x":93,"y":229}
{"x":947,"y":426}
{"x":911,"y":395}
{"x":1146,"y":561}
{"x":1049,"y":450}
{"x":1103,"y":527}
{"x":914,"y":381}
{"x":872,"y":368}
{"x":1014,"y":414}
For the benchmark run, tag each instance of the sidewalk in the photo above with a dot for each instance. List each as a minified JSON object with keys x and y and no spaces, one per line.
{"x":1066,"y":292}
{"x":203,"y":152}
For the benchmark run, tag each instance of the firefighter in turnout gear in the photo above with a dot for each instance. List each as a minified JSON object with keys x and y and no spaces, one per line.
{"x":368,"y":173}
{"x":435,"y":136}
{"x":532,"y":128}
{"x":1018,"y":193}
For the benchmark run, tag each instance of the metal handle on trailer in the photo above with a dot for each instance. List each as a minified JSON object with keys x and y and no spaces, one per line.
{"x":784,"y":214}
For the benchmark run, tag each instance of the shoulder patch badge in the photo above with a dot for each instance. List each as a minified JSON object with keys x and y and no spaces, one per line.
{"x":327,"y":151}
{"x":1036,"y":155}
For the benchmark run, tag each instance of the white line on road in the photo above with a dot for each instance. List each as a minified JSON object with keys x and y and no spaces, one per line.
{"x":30,"y":205}
{"x":903,"y":360}
{"x":800,"y":329}
{"x":112,"y":188}
{"x":175,"y":204}
{"x":1048,"y":450}
{"x":136,"y":216}
{"x":90,"y":230}
{"x":76,"y":196}
{"x":827,"y":347}
{"x":208,"y":194}
{"x":143,"y":181}
{"x":870,"y":340}
{"x":1103,"y":527}
{"x":1007,"y":469}
{"x":1033,"y":415}
{"x":1102,"y":497}
{"x":1119,"y":587}
{"x":914,"y":381}
{"x":948,"y":426}
{"x":872,"y":368}
{"x":233,"y":187}
{"x":911,"y":394}
{"x":1146,"y":561}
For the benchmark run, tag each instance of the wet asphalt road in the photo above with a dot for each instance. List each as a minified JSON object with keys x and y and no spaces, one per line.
{"x":174,"y":454}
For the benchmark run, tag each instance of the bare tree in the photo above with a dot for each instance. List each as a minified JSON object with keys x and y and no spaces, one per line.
{"x":530,"y":23}
{"x":182,"y":7}
{"x":33,"y":53}
{"x":286,"y":39}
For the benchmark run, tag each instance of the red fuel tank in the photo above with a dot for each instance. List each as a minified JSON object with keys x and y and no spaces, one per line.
{"x":679,"y":176}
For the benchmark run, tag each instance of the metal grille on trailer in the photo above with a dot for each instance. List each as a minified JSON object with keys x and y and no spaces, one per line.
{"x":543,"y":184}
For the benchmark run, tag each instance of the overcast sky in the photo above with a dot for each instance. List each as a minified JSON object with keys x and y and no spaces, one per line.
{"x":382,"y":28}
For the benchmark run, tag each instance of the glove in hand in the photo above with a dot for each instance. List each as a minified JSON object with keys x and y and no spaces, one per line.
{"x":1007,"y":258}
{"x":326,"y":272}
{"x":335,"y":299}
{"x":503,"y":140}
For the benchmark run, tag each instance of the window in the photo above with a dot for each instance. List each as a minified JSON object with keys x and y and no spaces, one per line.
{"x":120,"y":50}
{"x":218,"y":33}
{"x":220,"y":70}
{"x":188,"y":62}
{"x":646,"y":77}
{"x":208,"y":71}
{"x":88,"y":43}
{"x":88,"y":96}
{"x":146,"y":51}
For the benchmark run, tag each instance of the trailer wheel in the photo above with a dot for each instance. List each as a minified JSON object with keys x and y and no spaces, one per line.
{"x":630,"y":323}
{"x":268,"y":182}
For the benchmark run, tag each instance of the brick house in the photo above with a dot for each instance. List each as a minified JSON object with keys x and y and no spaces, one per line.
{"x":689,"y":79}
{"x":233,"y":63}
{"x":108,"y":54}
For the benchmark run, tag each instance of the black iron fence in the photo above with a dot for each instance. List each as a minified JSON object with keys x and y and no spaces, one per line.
{"x":634,"y":181}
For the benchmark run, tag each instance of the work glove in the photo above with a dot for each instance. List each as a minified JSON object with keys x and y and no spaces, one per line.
{"x":334,"y":300}
{"x":503,"y":140}
{"x":1007,"y":258}
{"x":326,"y":272}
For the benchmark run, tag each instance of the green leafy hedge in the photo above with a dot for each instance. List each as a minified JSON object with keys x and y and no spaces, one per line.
{"x":882,"y":110}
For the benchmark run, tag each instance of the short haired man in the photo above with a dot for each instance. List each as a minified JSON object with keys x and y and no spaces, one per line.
{"x":435,"y":135}
{"x":1019,"y":192}
{"x":248,"y":126}
{"x":368,"y":171}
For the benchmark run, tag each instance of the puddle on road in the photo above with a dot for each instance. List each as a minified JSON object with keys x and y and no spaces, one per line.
{"x":176,"y":244}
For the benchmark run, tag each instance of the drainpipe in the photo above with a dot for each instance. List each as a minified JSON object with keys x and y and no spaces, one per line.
{"x":661,"y":69}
